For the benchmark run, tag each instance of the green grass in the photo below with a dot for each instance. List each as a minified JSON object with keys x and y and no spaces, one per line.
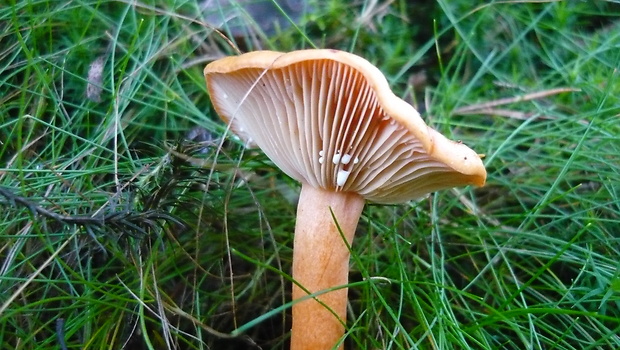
{"x":106,"y":226}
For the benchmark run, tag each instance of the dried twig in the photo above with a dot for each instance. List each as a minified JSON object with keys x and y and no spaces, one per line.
{"x":486,"y":106}
{"x":136,"y":222}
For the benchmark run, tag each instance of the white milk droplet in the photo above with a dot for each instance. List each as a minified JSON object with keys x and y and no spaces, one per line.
{"x":345,"y":159}
{"x":336,"y":158}
{"x":342,"y":177}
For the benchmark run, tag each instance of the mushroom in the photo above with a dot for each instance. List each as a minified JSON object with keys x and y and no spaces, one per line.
{"x":329,"y":120}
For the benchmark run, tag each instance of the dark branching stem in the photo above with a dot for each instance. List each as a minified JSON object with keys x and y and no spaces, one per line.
{"x":60,"y":333}
{"x":129,"y":221}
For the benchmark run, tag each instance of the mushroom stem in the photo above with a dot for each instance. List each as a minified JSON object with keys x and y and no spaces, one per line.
{"x":320,"y":262}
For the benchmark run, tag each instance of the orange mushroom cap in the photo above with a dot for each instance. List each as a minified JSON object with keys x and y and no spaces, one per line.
{"x":329,"y":119}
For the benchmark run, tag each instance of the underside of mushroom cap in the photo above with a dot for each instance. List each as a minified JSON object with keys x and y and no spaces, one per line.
{"x":329,"y":119}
